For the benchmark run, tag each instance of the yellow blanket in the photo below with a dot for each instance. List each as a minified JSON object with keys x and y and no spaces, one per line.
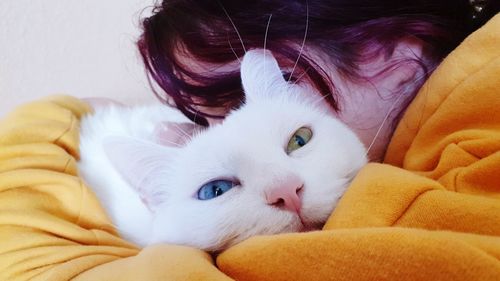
{"x":431,"y":212}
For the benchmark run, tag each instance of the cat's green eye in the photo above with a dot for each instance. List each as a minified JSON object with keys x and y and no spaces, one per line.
{"x":300,"y":138}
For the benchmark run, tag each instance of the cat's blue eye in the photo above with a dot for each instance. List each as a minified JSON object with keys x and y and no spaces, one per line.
{"x":214,"y":189}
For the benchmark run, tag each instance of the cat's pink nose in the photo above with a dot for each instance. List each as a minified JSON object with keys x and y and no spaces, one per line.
{"x":285,"y":194}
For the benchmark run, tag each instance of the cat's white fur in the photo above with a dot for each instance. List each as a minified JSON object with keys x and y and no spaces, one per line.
{"x":150,"y":190}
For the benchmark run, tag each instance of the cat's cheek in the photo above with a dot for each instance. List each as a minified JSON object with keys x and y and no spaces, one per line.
{"x":320,"y":197}
{"x":184,"y":223}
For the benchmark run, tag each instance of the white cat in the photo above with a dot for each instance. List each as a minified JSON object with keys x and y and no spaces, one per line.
{"x":278,"y":164}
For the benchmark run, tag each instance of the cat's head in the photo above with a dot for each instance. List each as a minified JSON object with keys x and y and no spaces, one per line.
{"x":278,"y":164}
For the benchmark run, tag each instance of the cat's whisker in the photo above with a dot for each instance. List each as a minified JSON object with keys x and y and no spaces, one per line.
{"x":179,"y":134}
{"x":265,"y":35}
{"x":383,"y":123}
{"x":265,"y":44}
{"x":172,"y":143}
{"x":386,"y":117}
{"x":321,"y":98}
{"x":232,"y":49}
{"x":300,"y":77}
{"x":182,"y":131}
{"x":196,"y":131}
{"x":303,"y":42}
{"x":195,"y":115}
{"x":234,"y":25}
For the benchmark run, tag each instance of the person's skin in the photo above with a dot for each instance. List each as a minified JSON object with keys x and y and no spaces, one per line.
{"x":370,"y":109}
{"x":363,"y":106}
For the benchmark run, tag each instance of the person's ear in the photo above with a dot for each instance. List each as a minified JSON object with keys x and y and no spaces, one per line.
{"x":403,"y":64}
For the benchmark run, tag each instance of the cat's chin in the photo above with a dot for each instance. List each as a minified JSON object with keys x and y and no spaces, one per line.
{"x":301,"y":226}
{"x":306,"y":227}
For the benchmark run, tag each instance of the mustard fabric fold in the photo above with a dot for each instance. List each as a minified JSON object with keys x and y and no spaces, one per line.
{"x":431,"y":211}
{"x":51,"y":225}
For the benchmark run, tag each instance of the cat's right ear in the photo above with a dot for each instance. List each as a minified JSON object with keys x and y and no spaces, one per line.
{"x":175,"y":134}
{"x":261,"y":75}
{"x":141,"y":164}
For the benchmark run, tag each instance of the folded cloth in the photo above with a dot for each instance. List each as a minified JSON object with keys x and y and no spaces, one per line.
{"x":51,"y":225}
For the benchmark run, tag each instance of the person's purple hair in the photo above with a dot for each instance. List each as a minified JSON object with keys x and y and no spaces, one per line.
{"x":349,"y":31}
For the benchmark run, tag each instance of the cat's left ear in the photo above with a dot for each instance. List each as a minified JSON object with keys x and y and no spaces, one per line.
{"x":141,"y":164}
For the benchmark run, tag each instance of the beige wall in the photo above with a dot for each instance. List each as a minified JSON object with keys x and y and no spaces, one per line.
{"x":82,"y":48}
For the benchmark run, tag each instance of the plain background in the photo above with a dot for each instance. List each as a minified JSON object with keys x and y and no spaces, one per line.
{"x":81,"y":48}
